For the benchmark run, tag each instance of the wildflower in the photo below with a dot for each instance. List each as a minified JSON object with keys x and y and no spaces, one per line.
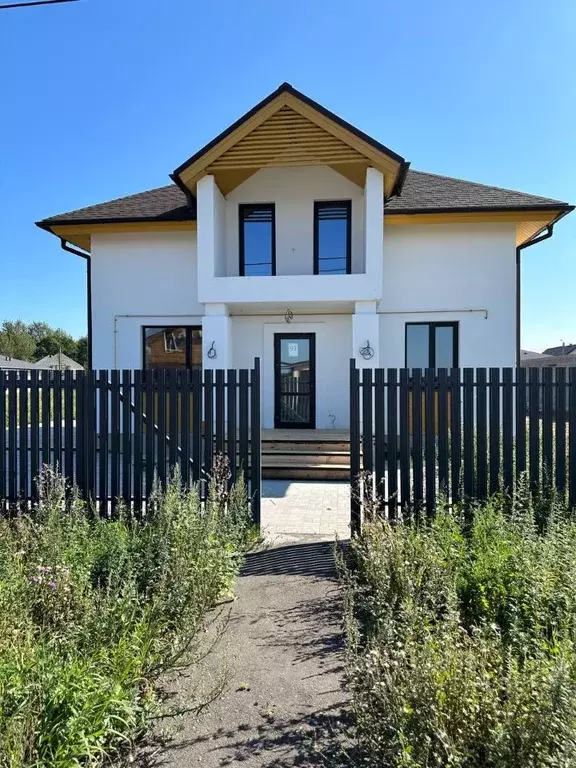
{"x":36,"y":579}
{"x":52,"y":584}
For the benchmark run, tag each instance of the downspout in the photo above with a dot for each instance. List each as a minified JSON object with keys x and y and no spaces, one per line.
{"x":64,"y":245}
{"x":548,"y":233}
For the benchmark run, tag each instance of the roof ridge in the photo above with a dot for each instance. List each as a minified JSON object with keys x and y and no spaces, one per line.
{"x":484,"y":186}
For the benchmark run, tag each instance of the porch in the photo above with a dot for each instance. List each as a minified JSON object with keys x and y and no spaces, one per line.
{"x":306,"y":454}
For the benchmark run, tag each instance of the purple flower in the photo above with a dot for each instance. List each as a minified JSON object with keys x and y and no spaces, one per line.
{"x":36,"y":579}
{"x":52,"y":585}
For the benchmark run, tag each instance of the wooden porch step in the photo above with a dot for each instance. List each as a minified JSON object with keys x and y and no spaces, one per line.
{"x":310,"y":446}
{"x":305,"y":458}
{"x":305,"y":472}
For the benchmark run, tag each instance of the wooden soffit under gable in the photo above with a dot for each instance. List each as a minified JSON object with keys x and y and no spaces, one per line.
{"x":288,"y":129}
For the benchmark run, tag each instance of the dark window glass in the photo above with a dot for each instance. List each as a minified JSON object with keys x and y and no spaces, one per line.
{"x":172,"y":347}
{"x":257,"y":246}
{"x":332,"y":237}
{"x":431,"y":345}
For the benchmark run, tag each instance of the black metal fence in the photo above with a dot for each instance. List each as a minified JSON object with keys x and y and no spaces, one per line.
{"x":463,"y":433}
{"x":114,"y":433}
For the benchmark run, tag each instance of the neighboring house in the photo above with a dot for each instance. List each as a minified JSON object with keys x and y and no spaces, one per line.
{"x":556,"y":357}
{"x":59,"y":362}
{"x":296,"y":238}
{"x":562,"y":351}
{"x":8,"y":363}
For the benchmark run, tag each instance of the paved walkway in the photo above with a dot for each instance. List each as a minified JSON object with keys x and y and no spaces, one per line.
{"x":294,"y":510}
{"x":284,"y":705}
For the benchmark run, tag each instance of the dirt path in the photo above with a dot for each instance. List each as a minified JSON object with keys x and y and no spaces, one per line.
{"x":284,"y":649}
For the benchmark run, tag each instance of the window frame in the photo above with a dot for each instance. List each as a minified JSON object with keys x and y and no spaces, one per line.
{"x":241,"y":245}
{"x":335,"y":204}
{"x":188,"y":350}
{"x":432,"y":326}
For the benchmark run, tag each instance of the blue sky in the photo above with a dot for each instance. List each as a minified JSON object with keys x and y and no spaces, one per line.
{"x":103,"y":98}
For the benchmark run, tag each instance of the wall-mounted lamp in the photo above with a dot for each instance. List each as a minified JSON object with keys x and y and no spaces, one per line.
{"x":212,"y":351}
{"x":366,"y":352}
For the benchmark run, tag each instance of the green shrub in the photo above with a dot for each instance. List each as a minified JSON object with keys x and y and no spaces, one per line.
{"x":461,"y":639}
{"x":92,"y":611}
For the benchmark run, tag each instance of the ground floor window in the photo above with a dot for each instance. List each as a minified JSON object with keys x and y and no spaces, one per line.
{"x":172,"y":346}
{"x":431,"y":345}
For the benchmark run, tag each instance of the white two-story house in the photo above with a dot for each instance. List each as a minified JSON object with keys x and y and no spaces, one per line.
{"x":298,"y":239}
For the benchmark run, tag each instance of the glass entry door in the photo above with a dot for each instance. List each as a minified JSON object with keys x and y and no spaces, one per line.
{"x":294,"y":380}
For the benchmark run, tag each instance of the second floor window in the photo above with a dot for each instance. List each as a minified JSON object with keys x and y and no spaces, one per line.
{"x":257,"y":240}
{"x":332,"y":237}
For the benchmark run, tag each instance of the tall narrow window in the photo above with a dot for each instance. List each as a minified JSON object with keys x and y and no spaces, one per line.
{"x":172,"y":347}
{"x":431,"y":345}
{"x":257,"y":240}
{"x":332,"y":237}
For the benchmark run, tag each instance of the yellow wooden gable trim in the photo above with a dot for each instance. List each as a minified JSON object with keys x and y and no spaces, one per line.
{"x":288,"y":132}
{"x":81,"y":234}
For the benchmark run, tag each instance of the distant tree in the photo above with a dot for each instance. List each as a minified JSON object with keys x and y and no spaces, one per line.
{"x":38,"y":330}
{"x":82,"y":351}
{"x":55,"y":341}
{"x":16,"y":340}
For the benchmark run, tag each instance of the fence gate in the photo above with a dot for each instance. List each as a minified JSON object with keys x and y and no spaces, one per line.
{"x":113,"y":433}
{"x":463,"y":433}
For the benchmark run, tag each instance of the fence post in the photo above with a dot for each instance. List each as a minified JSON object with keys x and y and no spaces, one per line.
{"x":355,"y":502}
{"x":255,"y":442}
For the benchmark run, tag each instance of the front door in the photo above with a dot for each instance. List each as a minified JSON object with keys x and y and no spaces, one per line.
{"x":294,"y":380}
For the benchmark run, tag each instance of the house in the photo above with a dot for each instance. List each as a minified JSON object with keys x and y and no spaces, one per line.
{"x":8,"y":363}
{"x":297,"y":238}
{"x":60,"y":362}
{"x":553,"y":357}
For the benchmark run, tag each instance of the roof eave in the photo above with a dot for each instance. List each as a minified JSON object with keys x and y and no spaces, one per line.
{"x":564,"y":209}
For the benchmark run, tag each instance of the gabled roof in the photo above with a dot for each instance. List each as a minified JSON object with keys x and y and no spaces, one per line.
{"x":287,"y":128}
{"x":422,"y":193}
{"x":59,"y":361}
{"x":13,"y":364}
{"x":564,"y":349}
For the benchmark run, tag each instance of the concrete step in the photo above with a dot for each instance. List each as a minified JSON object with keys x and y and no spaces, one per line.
{"x":309,"y":472}
{"x":306,"y":458}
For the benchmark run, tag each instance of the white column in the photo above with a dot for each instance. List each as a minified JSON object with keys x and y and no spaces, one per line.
{"x":374,"y":226}
{"x":366,"y":335}
{"x":216,"y":337}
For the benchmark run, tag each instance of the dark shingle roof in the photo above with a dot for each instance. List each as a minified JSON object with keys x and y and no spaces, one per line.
{"x":565,"y":349}
{"x":422,"y":193}
{"x":428,"y":192}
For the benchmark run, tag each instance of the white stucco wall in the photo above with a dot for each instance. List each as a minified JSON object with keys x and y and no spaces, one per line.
{"x":451,"y":267}
{"x":294,"y":190}
{"x":141,"y":274}
{"x":254,"y":337}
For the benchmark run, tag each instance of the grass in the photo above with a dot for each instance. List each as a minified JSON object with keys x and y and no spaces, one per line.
{"x":461,"y":639}
{"x":93,"y":612}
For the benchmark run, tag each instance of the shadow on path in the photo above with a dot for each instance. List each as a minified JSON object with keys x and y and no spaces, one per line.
{"x":314,"y":559}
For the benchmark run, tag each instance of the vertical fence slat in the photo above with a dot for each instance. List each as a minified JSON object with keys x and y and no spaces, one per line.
{"x":520,"y":444}
{"x":3,"y":433}
{"x":219,"y":405}
{"x":508,"y":428}
{"x":355,"y":502}
{"x":45,"y":378}
{"x":367,"y":439}
{"x":209,"y":424}
{"x":90,"y":440}
{"x":468,"y":431}
{"x":81,"y":428}
{"x":455,"y":434}
{"x":103,"y":428}
{"x":392,"y":446}
{"x":380,"y":433}
{"x":69,"y":425}
{"x":184,"y":378}
{"x":572,"y":438}
{"x":161,"y":434}
{"x":418,"y":467}
{"x":57,"y":422}
{"x":255,"y":442}
{"x":127,"y":461}
{"x":534,"y":427}
{"x":12,"y":435}
{"x":196,"y":424}
{"x":34,"y":434}
{"x":23,"y":491}
{"x":481,"y":434}
{"x":443,"y":431}
{"x":137,"y":445}
{"x":231,"y":423}
{"x":150,"y":399}
{"x":172,"y":417}
{"x":547,"y":426}
{"x":494,"y":401}
{"x":405,"y":485}
{"x":560,"y":432}
{"x":430,"y":440}
{"x":243,"y":423}
{"x":114,"y":438}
